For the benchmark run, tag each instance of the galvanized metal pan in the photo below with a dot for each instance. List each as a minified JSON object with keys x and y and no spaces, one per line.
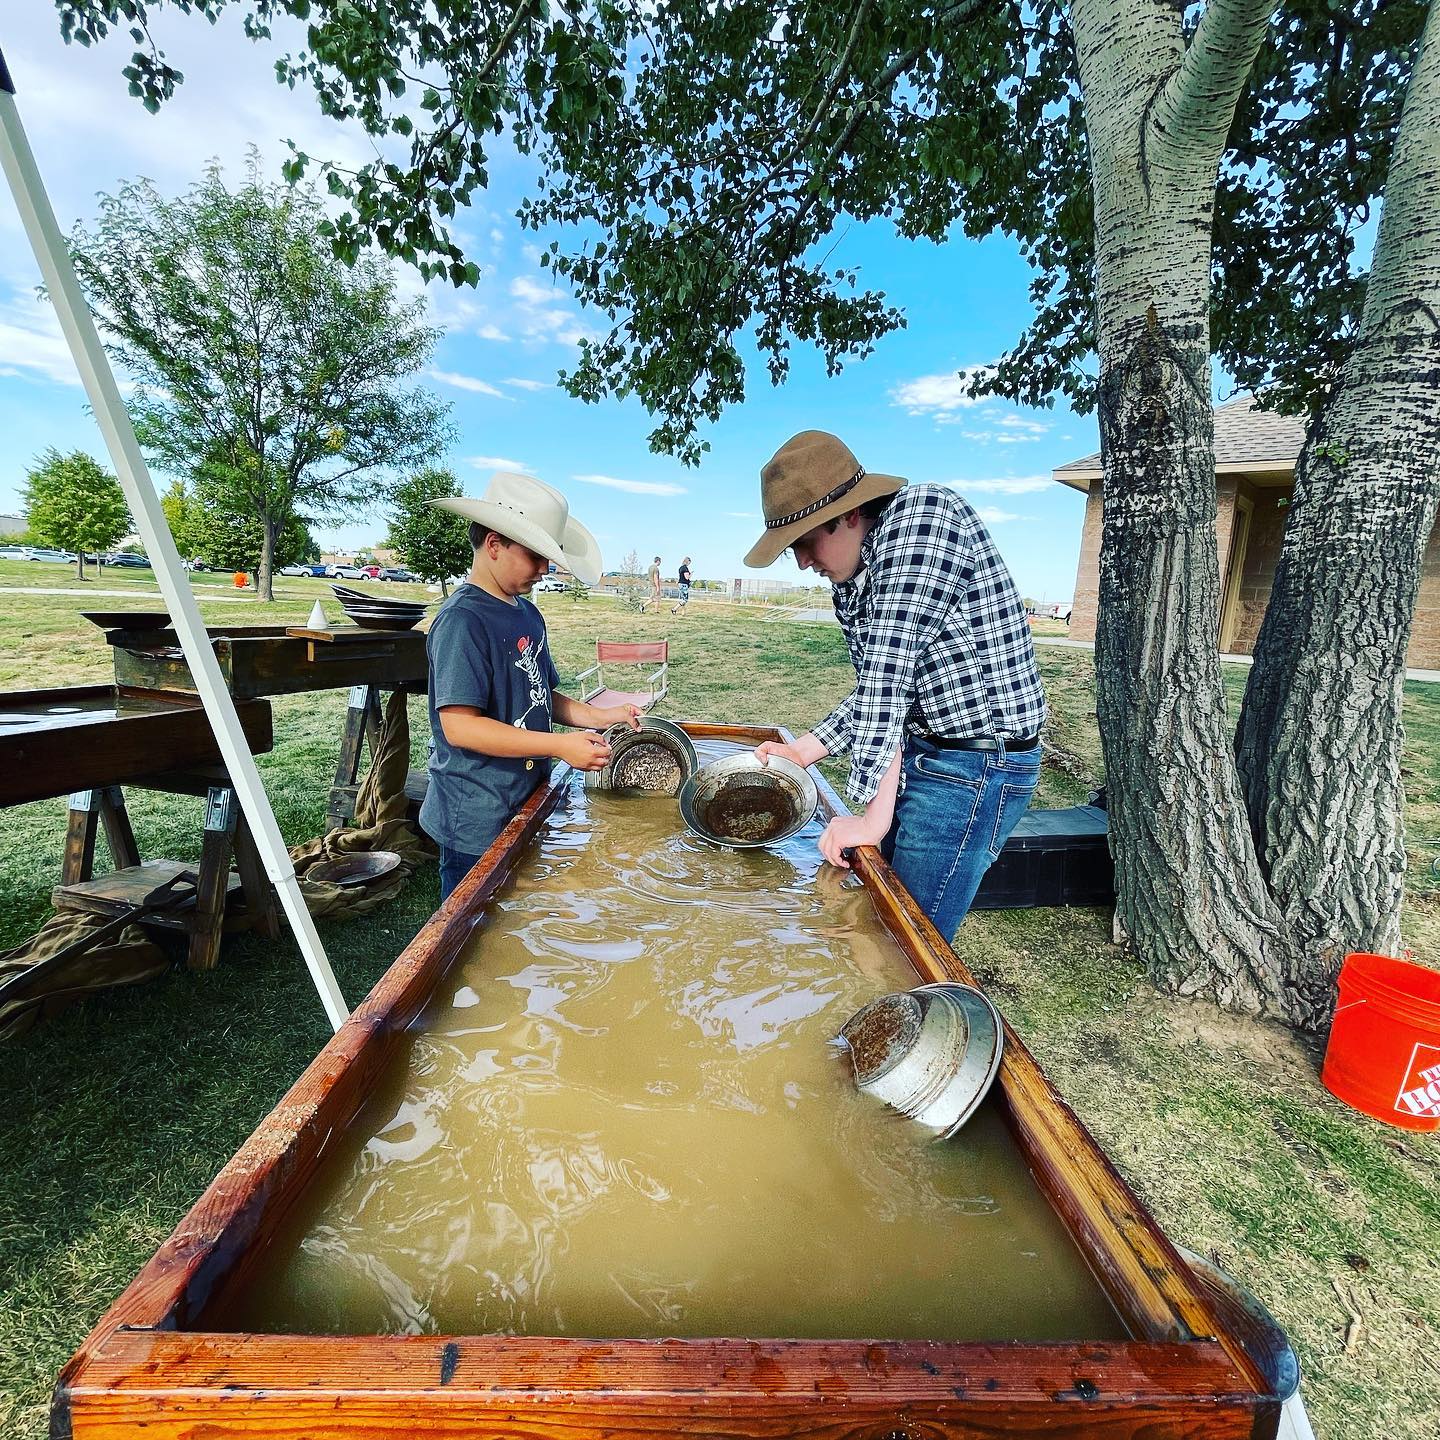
{"x":932,"y":1052}
{"x":743,"y":802}
{"x":657,"y":759}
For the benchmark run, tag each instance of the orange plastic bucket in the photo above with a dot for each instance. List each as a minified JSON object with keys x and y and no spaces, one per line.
{"x":1384,"y":1052}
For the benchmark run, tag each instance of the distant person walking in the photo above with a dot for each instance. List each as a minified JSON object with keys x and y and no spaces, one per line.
{"x":684,"y":578}
{"x":653,"y":598}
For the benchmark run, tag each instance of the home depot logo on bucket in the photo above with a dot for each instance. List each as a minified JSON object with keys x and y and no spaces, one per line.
{"x":1384,"y":1052}
{"x":1420,"y":1092}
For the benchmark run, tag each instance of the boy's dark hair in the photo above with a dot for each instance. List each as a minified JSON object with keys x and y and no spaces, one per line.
{"x":874,"y":509}
{"x":478,"y":532}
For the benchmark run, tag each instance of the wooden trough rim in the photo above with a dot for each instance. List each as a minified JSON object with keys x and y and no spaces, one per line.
{"x":151,"y":1357}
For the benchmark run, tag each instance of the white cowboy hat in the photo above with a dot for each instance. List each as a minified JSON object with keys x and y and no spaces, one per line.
{"x":522,"y":508}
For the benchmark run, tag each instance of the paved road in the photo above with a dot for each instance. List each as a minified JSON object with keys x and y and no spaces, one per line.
{"x":1411,"y":674}
{"x":143,"y":594}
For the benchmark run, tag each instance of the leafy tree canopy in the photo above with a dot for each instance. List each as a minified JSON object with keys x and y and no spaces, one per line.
{"x":74,"y":503}
{"x":205,"y":530}
{"x":709,"y":154}
{"x":433,"y":543}
{"x":268,"y":374}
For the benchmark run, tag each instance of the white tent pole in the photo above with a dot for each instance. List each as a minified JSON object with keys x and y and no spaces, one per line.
{"x":78,"y":326}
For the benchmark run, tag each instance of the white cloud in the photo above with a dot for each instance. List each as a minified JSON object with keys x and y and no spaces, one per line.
{"x":468,"y":382}
{"x":938,"y":395}
{"x":541,"y":313}
{"x":31,"y":342}
{"x":993,"y":515}
{"x":530,"y":384}
{"x":492,"y":332}
{"x":1012,"y":485}
{"x":1006,"y":430}
{"x":496,"y":462}
{"x":633,"y":487}
{"x":742,"y":514}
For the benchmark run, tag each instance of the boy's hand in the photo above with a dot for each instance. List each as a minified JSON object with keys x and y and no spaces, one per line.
{"x":583,"y":749}
{"x":608,"y":715}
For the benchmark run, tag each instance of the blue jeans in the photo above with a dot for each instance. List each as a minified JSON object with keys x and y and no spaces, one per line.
{"x":455,"y":865}
{"x":952,"y":819}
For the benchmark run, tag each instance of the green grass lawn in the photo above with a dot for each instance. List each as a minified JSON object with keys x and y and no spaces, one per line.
{"x":119,"y":1112}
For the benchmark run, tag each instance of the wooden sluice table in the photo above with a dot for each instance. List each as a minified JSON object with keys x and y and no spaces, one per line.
{"x":90,"y":741}
{"x":267,"y":660}
{"x":162,"y":1363}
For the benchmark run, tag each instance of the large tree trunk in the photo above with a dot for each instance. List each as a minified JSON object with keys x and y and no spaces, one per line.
{"x":265,"y":579}
{"x":1320,"y":732}
{"x":1189,"y":892}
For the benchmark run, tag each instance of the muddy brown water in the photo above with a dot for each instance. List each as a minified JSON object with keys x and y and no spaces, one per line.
{"x":622,"y":1116}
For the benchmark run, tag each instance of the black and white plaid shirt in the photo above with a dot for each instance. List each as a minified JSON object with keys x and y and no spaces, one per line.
{"x":938,"y":636}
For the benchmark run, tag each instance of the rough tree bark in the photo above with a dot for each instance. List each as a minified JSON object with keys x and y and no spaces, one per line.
{"x":1189,"y":890}
{"x":265,"y":579}
{"x":1320,"y":732}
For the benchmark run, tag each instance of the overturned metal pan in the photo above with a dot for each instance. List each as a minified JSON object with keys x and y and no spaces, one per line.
{"x":932,"y":1052}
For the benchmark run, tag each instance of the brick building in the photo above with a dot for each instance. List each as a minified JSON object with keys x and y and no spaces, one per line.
{"x":1255,"y":455}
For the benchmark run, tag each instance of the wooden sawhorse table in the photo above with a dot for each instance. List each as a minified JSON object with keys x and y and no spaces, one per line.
{"x":223,"y":901}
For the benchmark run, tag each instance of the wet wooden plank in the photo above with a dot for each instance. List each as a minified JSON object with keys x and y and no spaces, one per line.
{"x":1142,"y":1273}
{"x":176,"y":1385}
{"x":113,"y":750}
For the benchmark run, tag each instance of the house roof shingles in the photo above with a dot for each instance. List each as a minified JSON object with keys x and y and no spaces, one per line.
{"x":1243,"y":436}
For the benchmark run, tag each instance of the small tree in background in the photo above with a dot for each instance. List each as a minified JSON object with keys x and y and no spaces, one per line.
{"x":205,"y":530}
{"x":268,"y":374}
{"x":577,"y":589}
{"x":435,"y":544}
{"x":630,"y":586}
{"x":237,"y":542}
{"x":74,"y":503}
{"x":185,"y":515}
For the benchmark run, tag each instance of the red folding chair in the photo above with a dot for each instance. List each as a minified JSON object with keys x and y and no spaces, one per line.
{"x":614,"y":652}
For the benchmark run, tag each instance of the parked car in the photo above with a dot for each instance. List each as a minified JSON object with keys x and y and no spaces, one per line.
{"x":14,"y":552}
{"x":301,"y":570}
{"x":53,"y":557}
{"x":126,"y":561}
{"x":549,"y":582}
{"x":397,"y":572}
{"x":355,"y":572}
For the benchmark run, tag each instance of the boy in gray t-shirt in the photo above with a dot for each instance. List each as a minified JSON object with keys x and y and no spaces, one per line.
{"x":493,"y":693}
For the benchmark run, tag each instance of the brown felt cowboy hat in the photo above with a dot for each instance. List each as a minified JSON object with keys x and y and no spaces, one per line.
{"x":810,"y":479}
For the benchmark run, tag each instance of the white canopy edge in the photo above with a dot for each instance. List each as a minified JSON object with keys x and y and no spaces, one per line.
{"x":78,"y":326}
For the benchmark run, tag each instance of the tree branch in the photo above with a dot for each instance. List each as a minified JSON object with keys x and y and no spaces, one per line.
{"x":1195,"y":107}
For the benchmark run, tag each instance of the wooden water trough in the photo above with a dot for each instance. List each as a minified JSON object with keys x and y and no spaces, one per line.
{"x":157,"y":1365}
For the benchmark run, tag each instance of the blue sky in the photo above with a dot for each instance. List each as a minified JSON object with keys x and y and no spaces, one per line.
{"x":899,"y":411}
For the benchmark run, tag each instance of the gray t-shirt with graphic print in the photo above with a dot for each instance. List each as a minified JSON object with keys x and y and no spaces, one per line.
{"x":496,"y":657}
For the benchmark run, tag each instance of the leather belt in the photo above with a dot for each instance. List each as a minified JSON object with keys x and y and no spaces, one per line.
{"x":981,"y":742}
